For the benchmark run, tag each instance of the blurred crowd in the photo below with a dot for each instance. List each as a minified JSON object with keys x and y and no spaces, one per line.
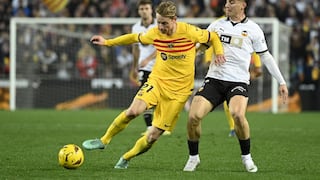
{"x":303,"y":16}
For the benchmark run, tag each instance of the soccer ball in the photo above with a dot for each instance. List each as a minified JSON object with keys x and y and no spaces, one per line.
{"x":71,"y":156}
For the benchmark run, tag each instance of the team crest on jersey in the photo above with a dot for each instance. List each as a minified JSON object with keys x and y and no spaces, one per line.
{"x":244,"y":33}
{"x":170,"y":45}
{"x":164,"y":56}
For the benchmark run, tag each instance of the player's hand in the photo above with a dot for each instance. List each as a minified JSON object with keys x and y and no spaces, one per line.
{"x":219,"y":60}
{"x":97,"y":39}
{"x":283,"y":93}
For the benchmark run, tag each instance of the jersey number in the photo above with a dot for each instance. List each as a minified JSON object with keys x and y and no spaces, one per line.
{"x":147,"y":87}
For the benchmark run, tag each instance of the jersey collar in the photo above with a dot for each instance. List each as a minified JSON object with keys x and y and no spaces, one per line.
{"x":244,"y":20}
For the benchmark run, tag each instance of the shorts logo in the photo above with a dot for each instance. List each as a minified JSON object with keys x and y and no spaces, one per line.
{"x":239,"y":88}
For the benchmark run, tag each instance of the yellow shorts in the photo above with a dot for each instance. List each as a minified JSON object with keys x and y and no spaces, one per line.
{"x":167,"y":105}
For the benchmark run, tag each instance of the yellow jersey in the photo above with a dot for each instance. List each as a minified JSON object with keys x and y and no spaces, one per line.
{"x":174,"y":65}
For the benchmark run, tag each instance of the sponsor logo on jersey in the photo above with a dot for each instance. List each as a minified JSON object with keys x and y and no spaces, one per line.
{"x":225,"y":38}
{"x":235,"y":41}
{"x":165,"y":56}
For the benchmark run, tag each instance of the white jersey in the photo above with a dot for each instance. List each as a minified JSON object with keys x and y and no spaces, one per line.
{"x":145,"y":50}
{"x":239,"y":42}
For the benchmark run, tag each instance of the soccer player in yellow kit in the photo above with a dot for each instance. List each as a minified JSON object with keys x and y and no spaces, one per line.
{"x":169,"y":84}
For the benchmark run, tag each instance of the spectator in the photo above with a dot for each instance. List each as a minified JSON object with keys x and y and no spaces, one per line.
{"x":47,"y":58}
{"x":87,"y":61}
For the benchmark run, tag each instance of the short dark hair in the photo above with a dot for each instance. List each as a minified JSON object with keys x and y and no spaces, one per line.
{"x":144,"y":2}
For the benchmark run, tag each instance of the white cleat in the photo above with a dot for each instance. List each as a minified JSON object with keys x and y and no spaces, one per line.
{"x":192,"y":163}
{"x":249,"y":164}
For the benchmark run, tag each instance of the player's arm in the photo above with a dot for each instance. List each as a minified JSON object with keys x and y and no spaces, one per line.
{"x":213,"y":45}
{"x":268,"y":60}
{"x":120,"y":40}
{"x":148,"y":59}
{"x":136,"y":54}
{"x":216,"y":48}
{"x":133,"y":76}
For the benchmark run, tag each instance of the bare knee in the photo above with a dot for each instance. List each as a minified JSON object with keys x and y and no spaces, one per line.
{"x":136,"y":108}
{"x":131,"y":112}
{"x":194,"y":119}
{"x":153,"y":135}
{"x":239,"y":118}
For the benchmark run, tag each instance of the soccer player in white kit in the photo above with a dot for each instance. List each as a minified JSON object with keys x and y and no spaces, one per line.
{"x":143,"y":55}
{"x":229,"y":80}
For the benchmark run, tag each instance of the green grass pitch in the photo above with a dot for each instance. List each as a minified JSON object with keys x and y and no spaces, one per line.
{"x":284,"y":146}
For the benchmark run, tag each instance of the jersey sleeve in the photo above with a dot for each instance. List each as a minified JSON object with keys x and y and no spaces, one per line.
{"x":216,"y":43}
{"x":259,"y":41}
{"x":122,"y":40}
{"x":147,"y":37}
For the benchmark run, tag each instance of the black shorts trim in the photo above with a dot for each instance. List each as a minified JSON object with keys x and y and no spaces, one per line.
{"x":217,"y":91}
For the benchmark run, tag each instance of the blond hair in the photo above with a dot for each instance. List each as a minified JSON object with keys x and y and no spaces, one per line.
{"x":167,"y":9}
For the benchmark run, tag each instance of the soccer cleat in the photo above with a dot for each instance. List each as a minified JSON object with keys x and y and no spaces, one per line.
{"x":93,"y":144}
{"x":248,"y":163}
{"x":122,"y":164}
{"x":232,"y":133}
{"x":192,"y":163}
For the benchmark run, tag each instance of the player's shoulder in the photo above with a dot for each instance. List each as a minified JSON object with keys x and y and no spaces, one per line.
{"x":136,"y":26}
{"x":220,"y":20}
{"x":252,"y":23}
{"x":187,"y":27}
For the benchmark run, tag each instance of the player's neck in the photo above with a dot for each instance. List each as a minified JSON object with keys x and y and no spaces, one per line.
{"x":146,"y":21}
{"x":237,"y":18}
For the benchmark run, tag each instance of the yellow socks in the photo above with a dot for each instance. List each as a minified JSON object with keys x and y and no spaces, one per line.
{"x":119,"y":123}
{"x":140,"y":147}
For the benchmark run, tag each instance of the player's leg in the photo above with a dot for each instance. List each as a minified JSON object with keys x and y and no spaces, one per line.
{"x":237,"y":106}
{"x":200,"y":107}
{"x":229,"y":119}
{"x":166,"y":114}
{"x":141,"y":146}
{"x":147,"y":116}
{"x":118,"y":124}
